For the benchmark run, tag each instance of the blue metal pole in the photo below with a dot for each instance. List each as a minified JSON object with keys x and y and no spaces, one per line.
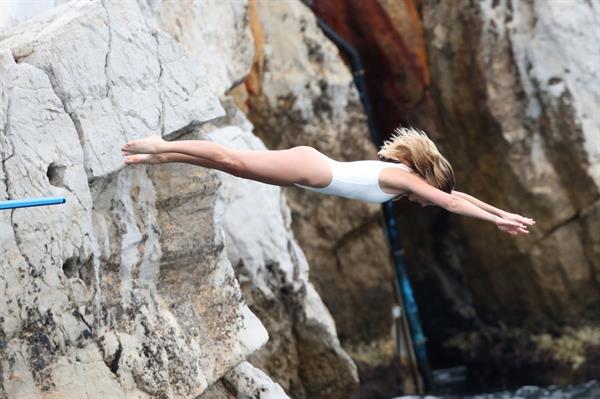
{"x":410,"y":305}
{"x":26,"y":203}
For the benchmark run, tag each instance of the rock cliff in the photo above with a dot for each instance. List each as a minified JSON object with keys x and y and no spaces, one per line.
{"x":132,"y":288}
{"x":508,"y":90}
{"x":174,"y":281}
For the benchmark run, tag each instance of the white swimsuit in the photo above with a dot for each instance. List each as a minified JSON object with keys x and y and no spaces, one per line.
{"x":357,"y":180}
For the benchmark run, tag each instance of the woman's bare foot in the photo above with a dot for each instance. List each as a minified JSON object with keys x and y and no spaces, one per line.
{"x":149,"y":145}
{"x":148,"y":159}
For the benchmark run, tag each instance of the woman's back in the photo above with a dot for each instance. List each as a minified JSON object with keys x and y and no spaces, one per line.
{"x":357,"y":180}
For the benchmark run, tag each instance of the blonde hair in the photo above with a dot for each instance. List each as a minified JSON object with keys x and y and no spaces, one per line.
{"x":413,"y":148}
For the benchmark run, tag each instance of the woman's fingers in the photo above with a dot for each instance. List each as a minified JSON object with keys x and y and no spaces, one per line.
{"x":512,"y":223}
{"x":523,"y":229}
{"x":527,"y":220}
{"x":517,"y":232}
{"x":513,"y":228}
{"x":518,"y":223}
{"x":519,"y":218}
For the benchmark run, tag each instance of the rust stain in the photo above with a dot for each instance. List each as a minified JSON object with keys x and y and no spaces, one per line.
{"x":390,"y":37}
{"x":254,"y":80}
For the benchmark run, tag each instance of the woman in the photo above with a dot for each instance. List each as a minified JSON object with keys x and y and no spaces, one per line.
{"x":419,"y":172}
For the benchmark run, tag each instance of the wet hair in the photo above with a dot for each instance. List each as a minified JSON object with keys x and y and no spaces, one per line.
{"x":413,"y":148}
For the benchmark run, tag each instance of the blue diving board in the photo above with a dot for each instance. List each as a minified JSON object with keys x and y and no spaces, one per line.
{"x":26,"y":203}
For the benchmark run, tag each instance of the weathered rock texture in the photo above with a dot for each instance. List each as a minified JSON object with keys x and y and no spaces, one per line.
{"x":127,"y":290}
{"x":303,"y":353}
{"x":515,"y":85}
{"x":245,"y":382}
{"x":517,"y":106}
{"x":301,"y":93}
{"x":215,"y":33}
{"x":116,"y":293}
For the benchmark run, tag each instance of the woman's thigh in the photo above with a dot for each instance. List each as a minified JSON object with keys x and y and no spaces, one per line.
{"x":303,"y":165}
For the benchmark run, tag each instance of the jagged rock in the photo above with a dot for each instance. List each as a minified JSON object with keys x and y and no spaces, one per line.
{"x":214,"y":33}
{"x":245,"y":382}
{"x":270,"y":265}
{"x":149,"y":298}
{"x":116,"y":293}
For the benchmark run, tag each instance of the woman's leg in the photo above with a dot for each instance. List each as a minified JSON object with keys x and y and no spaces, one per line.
{"x":302,"y":164}
{"x":171,"y":157}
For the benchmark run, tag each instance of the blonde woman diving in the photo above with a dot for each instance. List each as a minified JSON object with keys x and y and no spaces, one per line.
{"x":415,"y":170}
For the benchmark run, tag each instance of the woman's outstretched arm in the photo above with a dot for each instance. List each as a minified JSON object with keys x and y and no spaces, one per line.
{"x":455,"y":204}
{"x":493,"y":210}
{"x":479,"y":203}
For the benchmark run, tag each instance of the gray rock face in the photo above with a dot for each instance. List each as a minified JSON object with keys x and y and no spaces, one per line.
{"x":215,"y":33}
{"x":537,"y":96}
{"x":517,"y":86}
{"x":128,"y":290}
{"x":114,"y":294}
{"x":303,"y":353}
{"x":117,"y":77}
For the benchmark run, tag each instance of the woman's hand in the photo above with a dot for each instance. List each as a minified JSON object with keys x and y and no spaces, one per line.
{"x":511,"y":227}
{"x":517,"y":218}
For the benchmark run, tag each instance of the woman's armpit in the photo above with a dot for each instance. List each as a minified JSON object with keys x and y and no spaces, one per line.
{"x":420,"y":187}
{"x":393,"y":180}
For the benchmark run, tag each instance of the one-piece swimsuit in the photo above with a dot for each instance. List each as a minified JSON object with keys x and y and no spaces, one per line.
{"x":357,"y":180}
